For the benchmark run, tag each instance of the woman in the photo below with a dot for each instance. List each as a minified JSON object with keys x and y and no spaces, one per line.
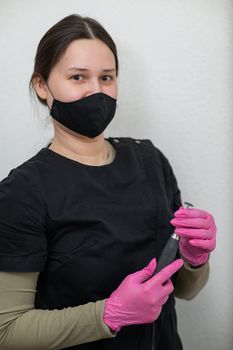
{"x":83,"y":222}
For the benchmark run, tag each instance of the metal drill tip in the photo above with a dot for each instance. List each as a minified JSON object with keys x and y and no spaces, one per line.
{"x":175,"y":236}
{"x":188,"y":204}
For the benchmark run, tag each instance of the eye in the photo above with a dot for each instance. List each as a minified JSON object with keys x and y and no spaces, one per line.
{"x":77,"y":77}
{"x":107,"y":78}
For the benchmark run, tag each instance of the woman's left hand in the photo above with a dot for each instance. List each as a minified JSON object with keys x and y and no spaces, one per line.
{"x":197,"y":231}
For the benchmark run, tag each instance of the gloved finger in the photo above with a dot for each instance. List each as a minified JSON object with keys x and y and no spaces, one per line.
{"x":191,"y":222}
{"x":145,"y":273}
{"x":191,"y":213}
{"x":162,"y":276}
{"x":168,"y":287}
{"x":194,"y":233}
{"x":207,"y":244}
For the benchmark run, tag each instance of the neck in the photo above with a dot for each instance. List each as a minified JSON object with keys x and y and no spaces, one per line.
{"x":90,"y":151}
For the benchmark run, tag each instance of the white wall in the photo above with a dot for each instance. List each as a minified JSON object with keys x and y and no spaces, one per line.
{"x":175,"y":88}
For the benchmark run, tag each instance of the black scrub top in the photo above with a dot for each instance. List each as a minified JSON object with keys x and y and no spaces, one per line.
{"x":86,"y":227}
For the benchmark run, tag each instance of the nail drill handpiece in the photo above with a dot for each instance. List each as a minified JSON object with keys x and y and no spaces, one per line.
{"x":169,"y":252}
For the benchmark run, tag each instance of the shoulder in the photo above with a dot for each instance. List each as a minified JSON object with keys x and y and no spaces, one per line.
{"x":28,"y":170}
{"x":145,"y":144}
{"x":22,"y":180}
{"x":129,"y":140}
{"x":132,"y":142}
{"x":153,"y":155}
{"x":22,"y":202}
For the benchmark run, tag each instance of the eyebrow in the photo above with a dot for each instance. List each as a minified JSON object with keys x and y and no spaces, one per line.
{"x":86,"y":70}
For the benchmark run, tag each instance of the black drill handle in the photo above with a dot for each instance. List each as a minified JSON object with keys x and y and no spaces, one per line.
{"x":169,"y":252}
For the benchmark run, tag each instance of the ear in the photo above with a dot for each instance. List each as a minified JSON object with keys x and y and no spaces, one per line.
{"x":40,"y":87}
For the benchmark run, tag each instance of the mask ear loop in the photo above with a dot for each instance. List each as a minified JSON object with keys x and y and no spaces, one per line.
{"x":51,"y":94}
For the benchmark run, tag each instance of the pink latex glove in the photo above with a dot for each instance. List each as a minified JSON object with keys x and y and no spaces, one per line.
{"x":197,"y":231}
{"x":139,"y":298}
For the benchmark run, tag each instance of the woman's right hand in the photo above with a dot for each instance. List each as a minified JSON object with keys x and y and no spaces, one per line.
{"x":139,"y":298}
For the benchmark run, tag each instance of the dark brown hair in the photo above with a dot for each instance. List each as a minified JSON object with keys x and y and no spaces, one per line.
{"x":56,"y":40}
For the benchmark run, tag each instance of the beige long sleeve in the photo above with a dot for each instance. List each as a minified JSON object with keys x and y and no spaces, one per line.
{"x":24,"y":327}
{"x":191,"y":280}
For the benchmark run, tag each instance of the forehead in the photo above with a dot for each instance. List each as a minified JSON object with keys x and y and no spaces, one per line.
{"x":91,"y":52}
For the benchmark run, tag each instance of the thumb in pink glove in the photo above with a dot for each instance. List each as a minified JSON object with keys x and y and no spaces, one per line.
{"x":197,"y":231}
{"x":139,"y":298}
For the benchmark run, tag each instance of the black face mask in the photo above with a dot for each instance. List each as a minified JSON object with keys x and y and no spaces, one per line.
{"x":88,"y":116}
